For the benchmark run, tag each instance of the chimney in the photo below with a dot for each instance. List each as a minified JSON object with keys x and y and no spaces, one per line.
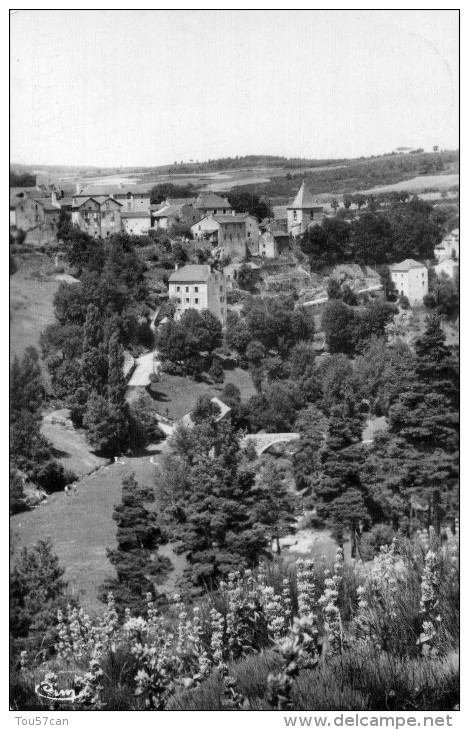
{"x":176,"y":267}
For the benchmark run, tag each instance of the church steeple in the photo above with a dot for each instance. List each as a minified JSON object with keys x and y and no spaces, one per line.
{"x":304,"y":199}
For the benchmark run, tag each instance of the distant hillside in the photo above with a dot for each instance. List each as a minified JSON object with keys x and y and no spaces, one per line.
{"x":359,"y":174}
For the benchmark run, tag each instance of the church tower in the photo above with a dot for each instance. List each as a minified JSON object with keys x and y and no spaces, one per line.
{"x":300,"y":213}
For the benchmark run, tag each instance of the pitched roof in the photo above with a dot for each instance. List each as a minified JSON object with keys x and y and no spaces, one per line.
{"x":115,"y":190}
{"x":229,"y":218}
{"x":135,"y":214}
{"x":181,"y":201}
{"x":165,"y":212}
{"x":14,"y":202}
{"x":407,"y":265}
{"x":211,"y":200}
{"x":192,"y":272}
{"x":48,"y":205}
{"x":303,"y":199}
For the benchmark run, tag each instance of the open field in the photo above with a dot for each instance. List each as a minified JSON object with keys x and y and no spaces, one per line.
{"x":30,"y":309}
{"x":416,"y":184}
{"x":70,"y":446}
{"x":175,"y":395}
{"x":81,"y":526}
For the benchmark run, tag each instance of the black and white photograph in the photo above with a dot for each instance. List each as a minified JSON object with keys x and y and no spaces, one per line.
{"x":234,"y":367}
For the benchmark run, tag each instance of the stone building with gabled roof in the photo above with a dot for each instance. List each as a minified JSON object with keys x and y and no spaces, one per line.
{"x":410,"y":278}
{"x":227,"y":232}
{"x":196,"y":286}
{"x":99,"y":217}
{"x":301,"y":212}
{"x":212,"y":204}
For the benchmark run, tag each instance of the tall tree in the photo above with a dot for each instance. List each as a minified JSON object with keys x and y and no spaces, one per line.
{"x":94,"y":364}
{"x":217,"y":515}
{"x":339,"y":476}
{"x":275,"y":504}
{"x":137,"y":564}
{"x":37,"y":590}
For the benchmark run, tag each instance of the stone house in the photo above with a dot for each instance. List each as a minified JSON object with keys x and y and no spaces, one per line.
{"x":227,"y":232}
{"x":171,"y":213}
{"x":410,"y":279}
{"x":99,"y":217}
{"x":26,"y":213}
{"x":198,"y":287}
{"x":134,"y":197}
{"x":210,"y":203}
{"x":136,"y":222}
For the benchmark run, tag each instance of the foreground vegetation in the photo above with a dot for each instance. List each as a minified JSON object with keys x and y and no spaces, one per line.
{"x":373,"y":636}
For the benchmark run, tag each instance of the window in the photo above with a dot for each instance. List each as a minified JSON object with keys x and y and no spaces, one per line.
{"x":224,"y":210}
{"x":249,"y":234}
{"x":107,"y":206}
{"x":196,"y":288}
{"x":178,"y":288}
{"x":294,"y":215}
{"x":221,"y":299}
{"x":187,"y":300}
{"x":221,"y":288}
{"x":187,"y":288}
{"x":199,"y":228}
{"x":196,"y":301}
{"x":179,"y":300}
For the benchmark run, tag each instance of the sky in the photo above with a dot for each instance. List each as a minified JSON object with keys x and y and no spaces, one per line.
{"x":113,"y":88}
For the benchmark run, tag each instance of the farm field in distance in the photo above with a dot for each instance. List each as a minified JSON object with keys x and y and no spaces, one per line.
{"x":419,"y":183}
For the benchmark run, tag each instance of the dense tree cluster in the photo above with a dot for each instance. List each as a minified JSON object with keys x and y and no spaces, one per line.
{"x":407,"y":476}
{"x":83,"y":350}
{"x":162,"y":191}
{"x":22,"y":180}
{"x":187,"y":346}
{"x":349,"y":328}
{"x":31,"y":454}
{"x":244,"y":202}
{"x":443,"y":296}
{"x":213,"y":504}
{"x":403,"y":229}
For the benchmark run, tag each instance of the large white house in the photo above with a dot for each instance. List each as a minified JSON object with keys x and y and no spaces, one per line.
{"x":198,"y":287}
{"x":410,"y":279}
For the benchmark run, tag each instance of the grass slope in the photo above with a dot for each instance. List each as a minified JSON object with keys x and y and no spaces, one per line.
{"x":175,"y":395}
{"x":81,"y":526}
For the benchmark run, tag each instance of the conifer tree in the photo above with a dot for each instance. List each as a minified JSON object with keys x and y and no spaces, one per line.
{"x":137,"y":564}
{"x":94,"y":361}
{"x":219,"y":525}
{"x":275,"y":504}
{"x":338,"y":484}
